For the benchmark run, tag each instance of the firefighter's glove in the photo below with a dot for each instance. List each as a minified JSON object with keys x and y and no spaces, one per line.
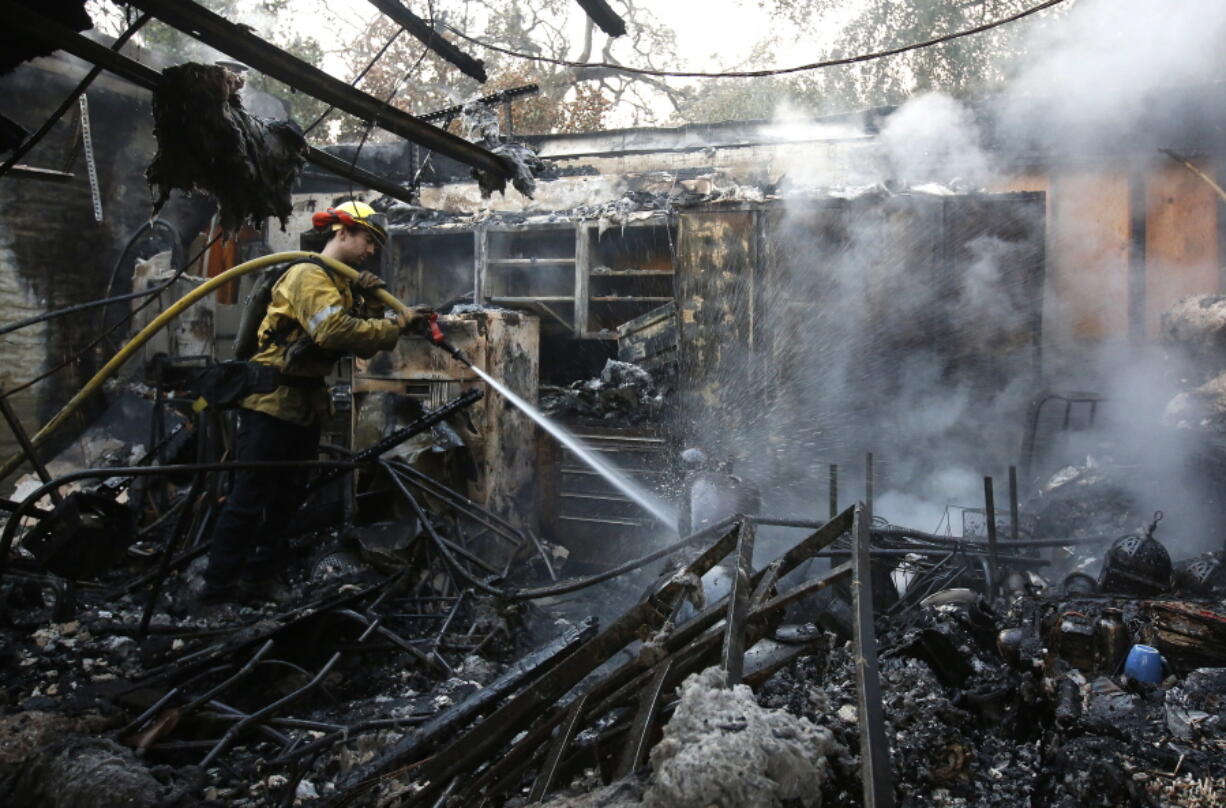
{"x":413,"y":320}
{"x":368,"y":282}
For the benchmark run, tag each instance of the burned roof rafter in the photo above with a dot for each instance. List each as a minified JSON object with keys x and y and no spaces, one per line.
{"x":31,"y":24}
{"x":432,"y":39}
{"x":239,"y":43}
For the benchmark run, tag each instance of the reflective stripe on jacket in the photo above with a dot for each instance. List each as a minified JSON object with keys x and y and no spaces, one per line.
{"x":308,"y":302}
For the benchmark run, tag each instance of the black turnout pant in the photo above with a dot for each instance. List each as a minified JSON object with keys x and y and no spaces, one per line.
{"x":249,"y":538}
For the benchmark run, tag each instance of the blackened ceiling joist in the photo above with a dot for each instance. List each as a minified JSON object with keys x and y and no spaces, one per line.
{"x":493,"y":98}
{"x":247,"y":47}
{"x":432,"y":39}
{"x":604,"y":16}
{"x":69,"y":13}
{"x":28,"y":24}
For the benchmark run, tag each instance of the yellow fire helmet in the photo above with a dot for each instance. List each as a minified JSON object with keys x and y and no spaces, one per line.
{"x":352,"y":214}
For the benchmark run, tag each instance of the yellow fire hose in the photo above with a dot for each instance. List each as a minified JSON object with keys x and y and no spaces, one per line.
{"x":159,"y":322}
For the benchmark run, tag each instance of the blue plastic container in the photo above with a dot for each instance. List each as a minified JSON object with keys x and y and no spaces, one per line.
{"x":1144,"y":663}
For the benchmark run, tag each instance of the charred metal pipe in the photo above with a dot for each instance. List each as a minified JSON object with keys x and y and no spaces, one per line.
{"x":233,"y":731}
{"x":566,"y":587}
{"x":438,"y":540}
{"x":168,"y":552}
{"x":1014,"y":526}
{"x":428,"y":420}
{"x":989,"y":510}
{"x":217,"y":690}
{"x":23,"y":440}
{"x":496,"y":524}
{"x":372,"y":625}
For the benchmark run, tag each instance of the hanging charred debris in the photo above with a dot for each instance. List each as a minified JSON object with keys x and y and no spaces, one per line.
{"x":208,"y":142}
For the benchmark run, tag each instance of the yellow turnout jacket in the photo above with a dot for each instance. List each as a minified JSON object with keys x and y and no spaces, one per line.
{"x":311,"y":303}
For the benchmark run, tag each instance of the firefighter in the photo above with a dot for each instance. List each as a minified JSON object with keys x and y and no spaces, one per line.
{"x":313,"y":318}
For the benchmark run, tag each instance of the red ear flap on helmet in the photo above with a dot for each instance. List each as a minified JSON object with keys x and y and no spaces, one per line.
{"x":324,"y":218}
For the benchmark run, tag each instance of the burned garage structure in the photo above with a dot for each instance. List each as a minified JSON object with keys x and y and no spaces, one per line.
{"x":871,"y":457}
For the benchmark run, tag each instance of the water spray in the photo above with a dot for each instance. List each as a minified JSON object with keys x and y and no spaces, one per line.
{"x":618,"y":479}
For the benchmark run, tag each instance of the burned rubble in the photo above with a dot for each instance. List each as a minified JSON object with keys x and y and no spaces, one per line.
{"x":520,"y":569}
{"x":418,"y":670}
{"x":623,"y":393}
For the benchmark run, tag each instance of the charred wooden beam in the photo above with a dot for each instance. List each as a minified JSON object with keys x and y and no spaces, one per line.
{"x":738,"y":608}
{"x":604,"y":16}
{"x":350,"y":171}
{"x":31,"y":24}
{"x":432,"y":39}
{"x":647,"y":615}
{"x":634,"y":754}
{"x":236,"y":41}
{"x":874,"y":746}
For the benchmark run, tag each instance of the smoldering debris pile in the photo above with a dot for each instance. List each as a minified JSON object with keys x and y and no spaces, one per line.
{"x":423,"y":654}
{"x":429,"y":670}
{"x":207,"y":142}
{"x":654,"y":194}
{"x":623,"y":394}
{"x":1196,"y":326}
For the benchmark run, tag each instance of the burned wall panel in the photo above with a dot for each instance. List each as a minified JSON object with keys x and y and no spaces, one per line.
{"x":902,"y":324}
{"x":1088,"y":258}
{"x":716,"y":262}
{"x":1181,"y":239}
{"x":52,"y":252}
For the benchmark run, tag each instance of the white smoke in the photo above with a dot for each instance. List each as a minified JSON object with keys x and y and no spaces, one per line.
{"x":934,"y":139}
{"x":933,"y":372}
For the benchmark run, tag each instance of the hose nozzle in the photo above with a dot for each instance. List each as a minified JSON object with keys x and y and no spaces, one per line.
{"x":436,"y":336}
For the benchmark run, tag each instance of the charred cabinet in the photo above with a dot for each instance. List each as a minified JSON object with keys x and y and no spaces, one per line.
{"x":494,"y":464}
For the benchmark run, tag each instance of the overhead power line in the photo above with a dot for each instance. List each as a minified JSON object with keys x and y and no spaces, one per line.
{"x":746,"y":74}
